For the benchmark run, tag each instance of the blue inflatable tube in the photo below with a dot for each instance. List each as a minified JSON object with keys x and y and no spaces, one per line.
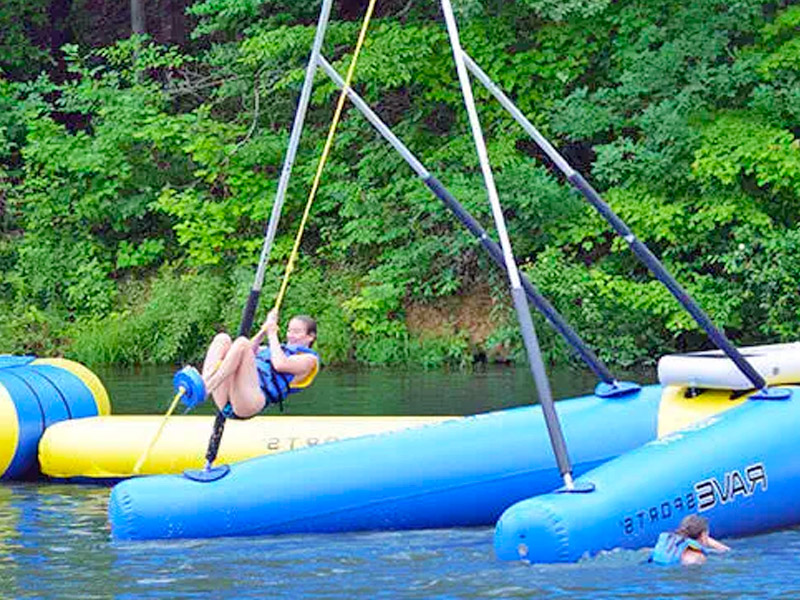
{"x":458,"y":473}
{"x":34,"y":394}
{"x":739,"y":469}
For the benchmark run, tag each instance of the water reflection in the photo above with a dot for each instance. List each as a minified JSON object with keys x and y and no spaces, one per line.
{"x":50,"y":537}
{"x":148,"y":390}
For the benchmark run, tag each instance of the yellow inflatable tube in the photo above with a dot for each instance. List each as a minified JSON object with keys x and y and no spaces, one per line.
{"x":103,"y":448}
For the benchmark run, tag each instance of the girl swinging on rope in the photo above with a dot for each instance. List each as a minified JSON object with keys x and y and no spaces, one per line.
{"x":250,"y":376}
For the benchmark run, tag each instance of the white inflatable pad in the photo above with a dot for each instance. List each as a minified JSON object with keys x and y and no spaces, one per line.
{"x":777,"y":364}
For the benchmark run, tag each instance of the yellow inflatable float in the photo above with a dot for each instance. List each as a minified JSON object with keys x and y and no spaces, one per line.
{"x":59,"y":410}
{"x":108,"y":448}
{"x":34,"y":395}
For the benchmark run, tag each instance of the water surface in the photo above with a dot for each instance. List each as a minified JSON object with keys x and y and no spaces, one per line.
{"x":55,"y":542}
{"x":148,"y":390}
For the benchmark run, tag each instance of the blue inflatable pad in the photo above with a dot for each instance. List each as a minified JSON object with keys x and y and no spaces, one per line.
{"x":33,"y":396}
{"x":739,"y":469}
{"x":9,"y":360}
{"x":30,"y":422}
{"x":51,"y":401}
{"x":79,"y":400}
{"x":458,"y":473}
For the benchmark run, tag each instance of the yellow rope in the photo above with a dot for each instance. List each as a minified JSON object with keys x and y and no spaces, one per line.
{"x":328,"y":144}
{"x":311,"y":196}
{"x":314,"y":187}
{"x":139,"y":463}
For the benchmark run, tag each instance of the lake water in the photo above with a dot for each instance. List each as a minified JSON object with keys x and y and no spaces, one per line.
{"x":148,"y":390}
{"x":55,"y":542}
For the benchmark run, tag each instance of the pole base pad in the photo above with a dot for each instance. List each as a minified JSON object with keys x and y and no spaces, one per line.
{"x":207,"y":475}
{"x":584,"y":487}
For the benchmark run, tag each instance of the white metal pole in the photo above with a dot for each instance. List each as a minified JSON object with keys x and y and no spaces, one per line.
{"x":520,"y":301}
{"x":294,"y":141}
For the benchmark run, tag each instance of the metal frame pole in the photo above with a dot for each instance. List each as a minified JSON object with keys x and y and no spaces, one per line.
{"x":495,"y":252}
{"x":249,"y":311}
{"x":520,"y":301}
{"x":294,"y":139}
{"x":638,"y":247}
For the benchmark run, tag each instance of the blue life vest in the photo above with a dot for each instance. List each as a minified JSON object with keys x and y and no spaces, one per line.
{"x":276,"y":386}
{"x":670,"y":547}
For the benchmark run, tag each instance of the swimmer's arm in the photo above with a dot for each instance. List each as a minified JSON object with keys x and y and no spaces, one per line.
{"x":716,"y":545}
{"x":692,"y":557}
{"x":270,"y":325}
{"x":256,"y":340}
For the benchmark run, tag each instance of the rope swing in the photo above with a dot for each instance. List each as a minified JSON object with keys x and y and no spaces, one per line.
{"x":325,"y":153}
{"x":211,"y":474}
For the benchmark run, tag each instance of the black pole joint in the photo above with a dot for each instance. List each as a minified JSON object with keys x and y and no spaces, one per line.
{"x":539,"y":301}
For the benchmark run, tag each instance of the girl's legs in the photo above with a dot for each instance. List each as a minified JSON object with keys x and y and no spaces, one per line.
{"x":236,"y":379}
{"x":246,"y":396}
{"x":212,"y":367}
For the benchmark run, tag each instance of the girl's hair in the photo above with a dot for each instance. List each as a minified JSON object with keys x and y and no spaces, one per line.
{"x":692,"y":526}
{"x":311,"y":326}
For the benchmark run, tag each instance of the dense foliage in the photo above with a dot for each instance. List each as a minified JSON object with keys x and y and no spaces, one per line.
{"x":136,"y":178}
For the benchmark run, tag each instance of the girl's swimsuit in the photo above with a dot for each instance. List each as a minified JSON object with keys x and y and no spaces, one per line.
{"x":274,"y":385}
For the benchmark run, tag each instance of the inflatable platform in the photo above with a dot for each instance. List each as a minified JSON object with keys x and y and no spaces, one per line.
{"x":777,"y":363}
{"x":737,"y":468}
{"x":469,"y":471}
{"x":105,"y":449}
{"x":462,"y":472}
{"x":36,"y":393}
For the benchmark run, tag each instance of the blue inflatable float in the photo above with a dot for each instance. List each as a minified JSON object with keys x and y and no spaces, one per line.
{"x":737,"y":469}
{"x":34,"y":394}
{"x":458,"y":473}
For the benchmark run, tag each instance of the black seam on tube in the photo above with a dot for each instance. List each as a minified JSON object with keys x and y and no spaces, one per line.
{"x":61,"y":394}
{"x":33,"y":392}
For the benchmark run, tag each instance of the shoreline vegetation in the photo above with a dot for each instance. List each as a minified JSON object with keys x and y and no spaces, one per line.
{"x":137,"y":174}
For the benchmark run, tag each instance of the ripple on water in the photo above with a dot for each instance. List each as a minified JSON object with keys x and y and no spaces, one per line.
{"x":55,"y":543}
